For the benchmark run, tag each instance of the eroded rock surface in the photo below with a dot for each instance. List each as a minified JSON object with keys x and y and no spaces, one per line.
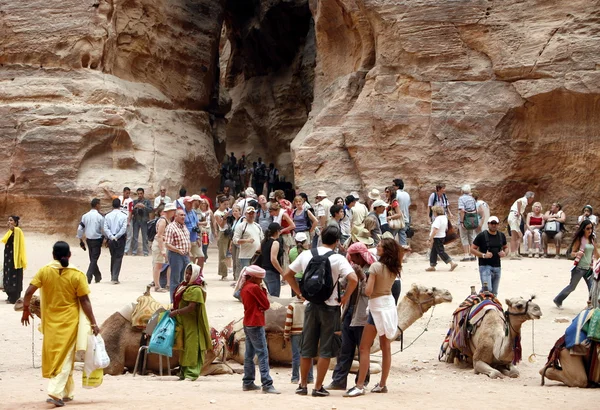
{"x":502,"y":95}
{"x":97,"y":96}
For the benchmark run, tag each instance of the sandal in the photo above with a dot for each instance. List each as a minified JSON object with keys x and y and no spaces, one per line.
{"x":56,"y":402}
{"x":160,"y":290}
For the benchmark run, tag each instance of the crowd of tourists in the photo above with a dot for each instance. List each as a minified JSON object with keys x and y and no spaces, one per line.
{"x":342,"y":260}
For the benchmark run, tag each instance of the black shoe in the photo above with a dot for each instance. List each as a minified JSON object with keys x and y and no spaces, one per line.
{"x":98,"y":280}
{"x":333,"y":386}
{"x":250,"y":387}
{"x":320,"y":393}
{"x":302,"y":391}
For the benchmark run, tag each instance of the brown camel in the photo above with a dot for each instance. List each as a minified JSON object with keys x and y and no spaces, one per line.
{"x":417,"y":301}
{"x":572,"y":369}
{"x":494,"y":343}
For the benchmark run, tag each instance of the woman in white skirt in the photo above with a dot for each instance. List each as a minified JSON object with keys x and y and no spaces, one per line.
{"x":383,"y":317}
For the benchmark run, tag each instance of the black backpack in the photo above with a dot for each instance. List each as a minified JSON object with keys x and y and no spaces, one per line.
{"x":152,"y":228}
{"x":317,"y":284}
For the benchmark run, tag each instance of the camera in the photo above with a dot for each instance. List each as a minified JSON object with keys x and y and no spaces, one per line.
{"x":196,"y":229}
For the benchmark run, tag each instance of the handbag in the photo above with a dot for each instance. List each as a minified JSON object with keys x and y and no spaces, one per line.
{"x":163,"y":336}
{"x":552,"y":227}
{"x":395,"y":223}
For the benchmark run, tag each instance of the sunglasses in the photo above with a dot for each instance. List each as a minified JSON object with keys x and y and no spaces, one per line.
{"x":493,"y":223}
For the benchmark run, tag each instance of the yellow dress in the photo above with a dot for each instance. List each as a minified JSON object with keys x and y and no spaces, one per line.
{"x":60,"y":290}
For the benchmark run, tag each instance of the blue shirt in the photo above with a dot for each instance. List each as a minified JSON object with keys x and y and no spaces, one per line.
{"x":115,"y":224}
{"x":191,"y":221}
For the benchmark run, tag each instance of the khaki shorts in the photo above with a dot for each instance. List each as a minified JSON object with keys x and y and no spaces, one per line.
{"x":157,"y":257}
{"x":196,"y":251}
{"x":514,"y":222}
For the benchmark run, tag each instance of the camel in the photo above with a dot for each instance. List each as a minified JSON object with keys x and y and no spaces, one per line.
{"x":494,"y":343}
{"x":576,"y":367}
{"x":417,"y":301}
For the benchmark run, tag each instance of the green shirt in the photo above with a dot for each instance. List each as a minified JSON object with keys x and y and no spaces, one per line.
{"x":293,"y":255}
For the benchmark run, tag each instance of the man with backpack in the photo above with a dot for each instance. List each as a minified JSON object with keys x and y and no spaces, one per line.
{"x":468,"y":221}
{"x":489,"y":246}
{"x":323,"y":269}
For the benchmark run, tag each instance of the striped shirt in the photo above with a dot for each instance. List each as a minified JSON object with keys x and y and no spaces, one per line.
{"x":294,"y":318}
{"x":178,"y":236}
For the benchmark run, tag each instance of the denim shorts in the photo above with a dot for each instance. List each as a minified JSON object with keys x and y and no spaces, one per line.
{"x":370,"y":319}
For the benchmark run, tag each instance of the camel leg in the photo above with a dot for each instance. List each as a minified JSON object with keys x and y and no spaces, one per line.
{"x":573,"y":371}
{"x":510,"y":371}
{"x":482,"y":367}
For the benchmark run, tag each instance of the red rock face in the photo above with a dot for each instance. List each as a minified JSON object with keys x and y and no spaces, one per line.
{"x":500,"y":95}
{"x":95,"y":97}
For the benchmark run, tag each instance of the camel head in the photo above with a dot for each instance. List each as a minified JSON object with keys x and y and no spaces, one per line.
{"x":34,"y":306}
{"x":523,"y":308}
{"x":428,"y":297}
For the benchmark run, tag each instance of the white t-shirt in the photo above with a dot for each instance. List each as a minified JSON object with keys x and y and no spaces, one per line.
{"x":523,"y":202}
{"x":165,"y":199}
{"x":440,"y":222}
{"x":279,"y":217}
{"x":247,"y":230}
{"x":125,"y":205}
{"x":403,"y":199}
{"x":592,"y":218}
{"x":340,"y":268}
{"x":222,"y":214}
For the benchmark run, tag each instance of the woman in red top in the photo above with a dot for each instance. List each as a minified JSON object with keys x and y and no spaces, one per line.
{"x":393,"y":210}
{"x":533,"y":225}
{"x":254,"y":298}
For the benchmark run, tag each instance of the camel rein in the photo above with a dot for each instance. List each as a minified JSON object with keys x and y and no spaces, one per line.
{"x":425,"y":329}
{"x":509,"y":326}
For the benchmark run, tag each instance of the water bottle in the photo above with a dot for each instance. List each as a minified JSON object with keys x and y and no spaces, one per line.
{"x":204,"y":238}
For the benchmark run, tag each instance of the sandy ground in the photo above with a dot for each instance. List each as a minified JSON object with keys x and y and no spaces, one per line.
{"x":417,"y":378}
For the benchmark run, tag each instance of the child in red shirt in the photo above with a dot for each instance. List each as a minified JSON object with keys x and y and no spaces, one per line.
{"x":254,"y":298}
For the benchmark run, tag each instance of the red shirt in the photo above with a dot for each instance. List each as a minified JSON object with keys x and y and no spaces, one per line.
{"x":210,"y":204}
{"x":255,"y":303}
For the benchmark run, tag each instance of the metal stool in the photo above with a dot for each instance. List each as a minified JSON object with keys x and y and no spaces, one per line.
{"x":147,"y":334}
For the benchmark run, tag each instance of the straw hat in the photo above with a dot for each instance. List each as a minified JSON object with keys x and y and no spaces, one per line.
{"x":374,"y":194}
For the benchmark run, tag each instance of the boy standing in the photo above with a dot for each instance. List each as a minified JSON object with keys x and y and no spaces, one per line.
{"x":292,"y":331}
{"x":254,"y":298}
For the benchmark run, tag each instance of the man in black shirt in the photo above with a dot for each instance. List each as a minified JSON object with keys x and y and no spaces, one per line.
{"x":489,"y":246}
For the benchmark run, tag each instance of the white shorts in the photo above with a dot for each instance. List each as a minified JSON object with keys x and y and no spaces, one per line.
{"x":514,"y":222}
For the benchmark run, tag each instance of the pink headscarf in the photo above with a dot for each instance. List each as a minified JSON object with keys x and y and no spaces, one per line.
{"x":362,"y":250}
{"x":252,"y":270}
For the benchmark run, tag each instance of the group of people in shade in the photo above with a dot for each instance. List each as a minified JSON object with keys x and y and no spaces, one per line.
{"x":480,"y":237}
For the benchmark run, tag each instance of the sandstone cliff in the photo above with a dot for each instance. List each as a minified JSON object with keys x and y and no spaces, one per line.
{"x":503,"y":95}
{"x":97,"y":95}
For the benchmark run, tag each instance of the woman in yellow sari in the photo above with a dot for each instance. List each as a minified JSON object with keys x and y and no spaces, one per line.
{"x":190,"y":311}
{"x":14,"y":260}
{"x":64,"y":290}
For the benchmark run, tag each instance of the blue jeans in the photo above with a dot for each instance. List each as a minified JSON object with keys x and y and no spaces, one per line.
{"x":177,"y":263}
{"x":137,"y":226}
{"x":244,"y":262}
{"x":491,"y":275}
{"x":256,"y":344}
{"x":576,"y":275}
{"x":402,"y":238}
{"x":273,"y":282}
{"x":296,"y":344}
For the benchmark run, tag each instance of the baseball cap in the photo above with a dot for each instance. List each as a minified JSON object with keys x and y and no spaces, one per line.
{"x":272,"y":195}
{"x":187,"y":199}
{"x":196,"y":198}
{"x":379,"y":202}
{"x":493,"y":219}
{"x":250,"y":209}
{"x":300,"y":237}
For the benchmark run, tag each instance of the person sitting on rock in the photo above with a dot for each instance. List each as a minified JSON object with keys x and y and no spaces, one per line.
{"x":533,"y":225}
{"x":553,"y":231}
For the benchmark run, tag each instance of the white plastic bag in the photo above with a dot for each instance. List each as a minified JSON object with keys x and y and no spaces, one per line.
{"x":95,"y":354}
{"x":88,"y":363}
{"x":101,"y":359}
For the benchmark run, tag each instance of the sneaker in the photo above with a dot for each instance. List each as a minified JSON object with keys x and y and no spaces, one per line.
{"x":270,"y":390}
{"x":430,"y":269}
{"x":379,"y":389}
{"x":466,"y":259}
{"x":557,"y":257}
{"x":558,"y":305}
{"x":295,"y":381}
{"x":333,"y":386}
{"x":472,"y":258}
{"x":56,"y":402}
{"x":537,"y":254}
{"x":320,"y":393}
{"x":354,"y":392}
{"x":160,"y":290}
{"x":515,"y":257}
{"x":302,"y":391}
{"x":530,"y":254}
{"x":250,"y":387}
{"x":453,"y":266}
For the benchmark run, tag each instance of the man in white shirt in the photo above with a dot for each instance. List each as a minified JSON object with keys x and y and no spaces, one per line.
{"x":248,"y":235}
{"x":92,"y":226}
{"x":127,"y":208}
{"x":162,"y":198}
{"x":321,"y":207}
{"x":115,"y":230}
{"x":359,"y":210}
{"x":321,"y":321}
{"x":514,"y":221}
{"x":403,"y":199}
